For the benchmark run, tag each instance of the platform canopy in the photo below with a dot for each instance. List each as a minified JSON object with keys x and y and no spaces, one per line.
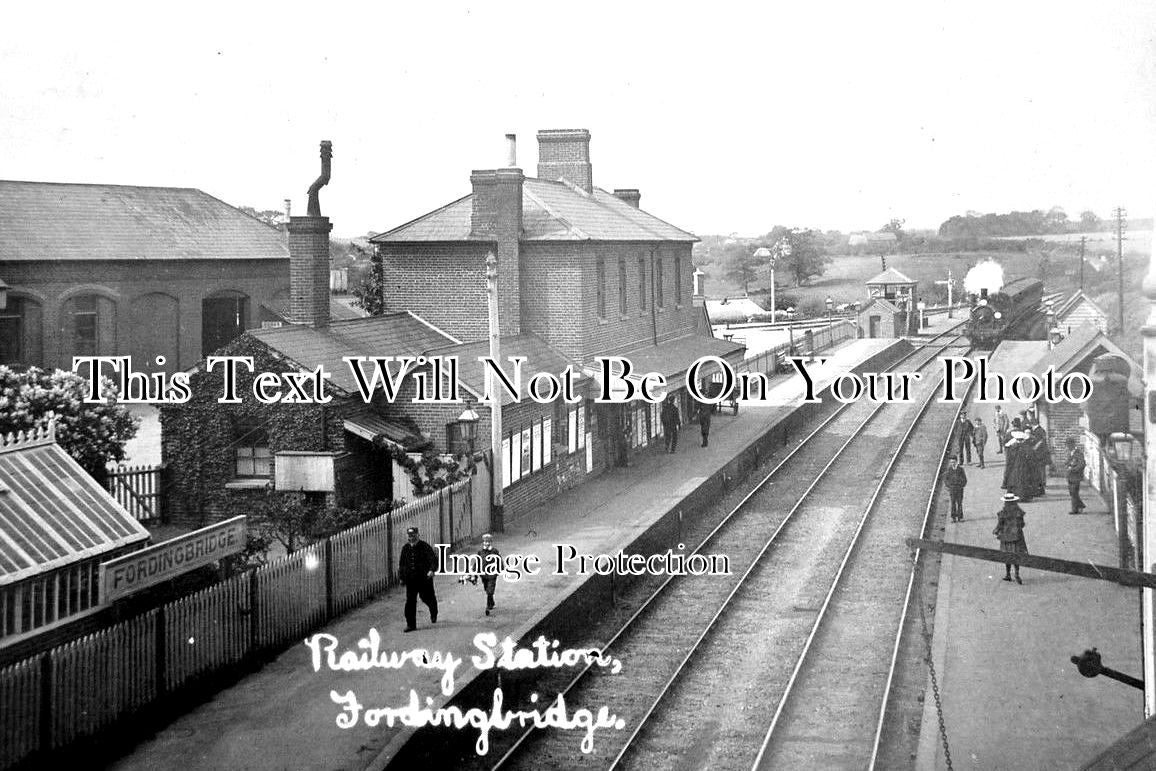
{"x":52,"y":512}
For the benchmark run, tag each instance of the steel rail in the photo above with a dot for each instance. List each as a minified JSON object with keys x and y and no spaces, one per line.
{"x":788,"y":691}
{"x":754,"y":563}
{"x":531,"y":730}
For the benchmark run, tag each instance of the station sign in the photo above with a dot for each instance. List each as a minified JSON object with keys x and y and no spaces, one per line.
{"x":152,"y":565}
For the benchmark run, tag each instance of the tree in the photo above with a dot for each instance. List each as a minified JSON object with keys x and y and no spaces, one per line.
{"x":807,"y":259}
{"x":740,"y":264}
{"x":370,"y":293}
{"x":894,"y":226}
{"x":1089,"y":222}
{"x":93,"y":434}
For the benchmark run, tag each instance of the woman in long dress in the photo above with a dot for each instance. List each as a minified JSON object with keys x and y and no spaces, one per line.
{"x":1010,"y":532}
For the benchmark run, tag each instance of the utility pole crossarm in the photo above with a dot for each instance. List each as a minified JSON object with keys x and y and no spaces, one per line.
{"x":1049,"y":564}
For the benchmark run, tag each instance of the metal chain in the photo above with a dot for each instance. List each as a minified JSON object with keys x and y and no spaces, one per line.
{"x":931,"y":663}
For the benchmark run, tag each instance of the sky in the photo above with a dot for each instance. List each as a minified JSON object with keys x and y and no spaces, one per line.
{"x":729,"y":117}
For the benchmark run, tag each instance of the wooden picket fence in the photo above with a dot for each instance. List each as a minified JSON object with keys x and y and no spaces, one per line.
{"x":138,"y":489}
{"x":81,"y":689}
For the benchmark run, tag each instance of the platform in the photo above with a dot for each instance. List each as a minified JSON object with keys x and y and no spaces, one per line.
{"x":1012,"y":699}
{"x":283,"y":715}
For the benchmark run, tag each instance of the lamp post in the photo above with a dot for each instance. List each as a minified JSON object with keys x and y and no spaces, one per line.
{"x":791,"y":328}
{"x":468,"y":421}
{"x":782,"y":251}
{"x":763,"y":253}
{"x":921,"y":306}
{"x":830,"y":306}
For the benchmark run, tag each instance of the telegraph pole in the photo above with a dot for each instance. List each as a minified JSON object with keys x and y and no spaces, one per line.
{"x":1120,"y":260}
{"x":1082,"y":240}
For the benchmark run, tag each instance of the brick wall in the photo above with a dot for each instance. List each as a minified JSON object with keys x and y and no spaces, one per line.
{"x":309,"y":270}
{"x":131,"y":287}
{"x":560,"y":282}
{"x":445,"y":284}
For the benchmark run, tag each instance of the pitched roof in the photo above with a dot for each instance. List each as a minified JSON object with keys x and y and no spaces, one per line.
{"x":891,"y":276}
{"x":738,"y":309}
{"x":673,"y":357}
{"x":883,"y":301}
{"x":51,"y":221}
{"x":540,"y":357}
{"x":52,"y":513}
{"x":551,"y":211}
{"x":394,"y":334}
{"x":1084,"y":341}
{"x":1077,"y":298}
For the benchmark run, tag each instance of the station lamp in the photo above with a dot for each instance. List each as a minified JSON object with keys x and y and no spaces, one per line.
{"x":468,"y":421}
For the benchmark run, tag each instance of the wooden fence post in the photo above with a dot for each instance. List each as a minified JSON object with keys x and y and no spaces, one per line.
{"x":441,"y":516}
{"x":162,"y":653}
{"x":329,"y":599}
{"x":450,"y":490}
{"x":389,"y":577}
{"x":46,"y":702}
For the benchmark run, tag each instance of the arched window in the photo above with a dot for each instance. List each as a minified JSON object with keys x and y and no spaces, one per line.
{"x":21,"y":333}
{"x":223,"y":318}
{"x":89,"y":326}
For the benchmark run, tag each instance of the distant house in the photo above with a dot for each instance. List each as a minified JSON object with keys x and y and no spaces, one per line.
{"x":141,"y":271}
{"x":57,"y":524}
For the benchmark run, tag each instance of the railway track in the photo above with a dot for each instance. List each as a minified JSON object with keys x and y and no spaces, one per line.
{"x":734,"y":648}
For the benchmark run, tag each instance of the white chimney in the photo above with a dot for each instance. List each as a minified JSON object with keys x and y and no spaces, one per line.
{"x":512,"y":151}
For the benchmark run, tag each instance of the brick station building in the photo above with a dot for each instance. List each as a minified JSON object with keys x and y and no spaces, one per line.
{"x":585,"y":272}
{"x":121,"y":270}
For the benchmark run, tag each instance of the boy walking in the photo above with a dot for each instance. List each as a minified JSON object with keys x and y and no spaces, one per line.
{"x":955,"y":480}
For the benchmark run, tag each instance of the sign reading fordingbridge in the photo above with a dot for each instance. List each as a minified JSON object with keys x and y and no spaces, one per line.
{"x":141,"y":569}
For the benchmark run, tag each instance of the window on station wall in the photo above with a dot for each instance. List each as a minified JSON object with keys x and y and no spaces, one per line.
{"x":89,"y":325}
{"x":622,"y":286}
{"x":642,"y":282}
{"x":678,"y":281}
{"x":600,"y":279}
{"x":527,"y":451}
{"x":252,"y":458}
{"x":658,"y":302}
{"x":21,"y":333}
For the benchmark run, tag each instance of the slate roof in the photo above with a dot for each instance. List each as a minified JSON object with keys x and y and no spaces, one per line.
{"x":53,"y":221}
{"x":52,"y":513}
{"x":339,"y":310}
{"x":738,"y":309}
{"x":551,"y":211}
{"x":673,"y":357}
{"x":891,"y":276}
{"x":540,"y":357}
{"x":1084,"y":341}
{"x":394,"y":334}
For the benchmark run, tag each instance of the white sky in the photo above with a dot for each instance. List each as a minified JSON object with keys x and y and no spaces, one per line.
{"x":728,"y":118}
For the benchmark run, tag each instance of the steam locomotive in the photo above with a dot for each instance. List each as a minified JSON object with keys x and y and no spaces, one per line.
{"x":1010,"y":313}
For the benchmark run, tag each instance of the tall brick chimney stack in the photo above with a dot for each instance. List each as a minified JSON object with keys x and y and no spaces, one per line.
{"x":630,"y":195}
{"x":309,"y":257}
{"x":497,"y":216}
{"x":565,"y":154}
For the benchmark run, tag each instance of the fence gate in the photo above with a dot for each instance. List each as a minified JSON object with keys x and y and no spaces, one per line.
{"x":138,"y":489}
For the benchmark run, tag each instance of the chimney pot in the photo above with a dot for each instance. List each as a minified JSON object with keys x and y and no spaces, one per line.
{"x":630,"y":195}
{"x":512,"y":151}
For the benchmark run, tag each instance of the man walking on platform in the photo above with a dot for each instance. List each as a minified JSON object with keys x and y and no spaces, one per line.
{"x":979,"y":439}
{"x":670,"y":421}
{"x":1075,"y":474}
{"x":704,"y":415}
{"x":954,"y":479}
{"x":963,"y":432}
{"x":1002,"y":429}
{"x":416,"y":570}
{"x":491,"y":561}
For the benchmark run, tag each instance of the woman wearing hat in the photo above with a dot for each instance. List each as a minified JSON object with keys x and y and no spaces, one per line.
{"x":1010,"y":532}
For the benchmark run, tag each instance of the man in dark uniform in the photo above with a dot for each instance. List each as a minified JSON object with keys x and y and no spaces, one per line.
{"x":670,"y":421}
{"x":704,"y":414}
{"x":490,"y":563}
{"x":955,"y":480}
{"x":963,"y":434}
{"x":1075,"y":474}
{"x":416,"y":570}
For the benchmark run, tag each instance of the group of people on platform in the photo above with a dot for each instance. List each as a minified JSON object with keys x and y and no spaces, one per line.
{"x":671,"y":420}
{"x":1024,"y":443}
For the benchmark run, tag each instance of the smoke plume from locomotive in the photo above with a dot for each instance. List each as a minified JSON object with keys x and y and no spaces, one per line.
{"x":986,"y":275}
